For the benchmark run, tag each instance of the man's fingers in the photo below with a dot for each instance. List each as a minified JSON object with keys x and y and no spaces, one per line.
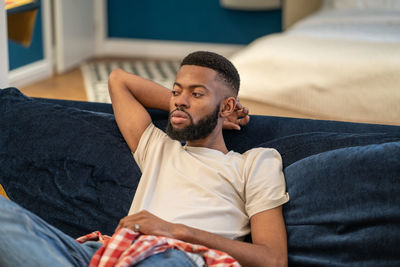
{"x":243,"y":121}
{"x":238,"y":105}
{"x":242,"y":112}
{"x":231,"y":126}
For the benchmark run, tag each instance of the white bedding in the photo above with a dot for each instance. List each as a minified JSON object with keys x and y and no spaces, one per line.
{"x":337,"y":64}
{"x":375,"y":25}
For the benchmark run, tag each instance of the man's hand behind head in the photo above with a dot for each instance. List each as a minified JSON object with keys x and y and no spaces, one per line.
{"x":239,"y":117}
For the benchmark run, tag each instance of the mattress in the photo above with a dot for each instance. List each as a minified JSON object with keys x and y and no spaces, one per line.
{"x":336,"y":64}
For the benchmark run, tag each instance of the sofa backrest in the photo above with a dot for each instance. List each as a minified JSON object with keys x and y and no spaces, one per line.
{"x":67,"y":162}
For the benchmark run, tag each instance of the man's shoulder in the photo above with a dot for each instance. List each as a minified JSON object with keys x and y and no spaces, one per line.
{"x":152,"y":131}
{"x":155,"y":137}
{"x":154,"y":145}
{"x":261,"y":152}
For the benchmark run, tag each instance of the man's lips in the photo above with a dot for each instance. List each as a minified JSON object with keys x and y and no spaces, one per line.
{"x":178,"y":117}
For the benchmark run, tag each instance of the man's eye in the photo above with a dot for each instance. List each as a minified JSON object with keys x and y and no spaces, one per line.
{"x":174,"y":93}
{"x":196,"y":94}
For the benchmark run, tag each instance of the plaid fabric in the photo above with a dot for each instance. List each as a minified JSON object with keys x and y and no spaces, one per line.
{"x":127,"y":248}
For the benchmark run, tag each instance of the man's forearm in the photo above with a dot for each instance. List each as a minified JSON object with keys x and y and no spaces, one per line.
{"x":148,"y":93}
{"x":247,"y":254}
{"x":269,"y":248}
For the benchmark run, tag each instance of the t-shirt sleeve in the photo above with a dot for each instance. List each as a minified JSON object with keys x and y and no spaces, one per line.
{"x":265,"y":186}
{"x":150,"y":140}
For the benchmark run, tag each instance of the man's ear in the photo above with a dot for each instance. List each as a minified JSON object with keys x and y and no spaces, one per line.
{"x":228,"y":106}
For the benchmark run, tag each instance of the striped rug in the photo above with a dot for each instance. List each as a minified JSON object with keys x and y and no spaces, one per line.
{"x":95,"y":74}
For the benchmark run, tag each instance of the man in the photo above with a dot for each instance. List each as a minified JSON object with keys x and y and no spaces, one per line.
{"x":200,"y":193}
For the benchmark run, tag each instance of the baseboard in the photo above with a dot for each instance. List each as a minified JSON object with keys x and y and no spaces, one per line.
{"x":161,"y":49}
{"x":30,"y":73}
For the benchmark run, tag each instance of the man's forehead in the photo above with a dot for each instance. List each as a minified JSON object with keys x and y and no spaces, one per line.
{"x":194,"y":69}
{"x":192,"y":74}
{"x":189,"y":75}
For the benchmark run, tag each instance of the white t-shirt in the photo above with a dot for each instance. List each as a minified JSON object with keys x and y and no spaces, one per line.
{"x":205,"y":188}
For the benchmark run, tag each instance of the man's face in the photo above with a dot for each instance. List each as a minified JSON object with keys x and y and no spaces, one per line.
{"x":193,"y":131}
{"x":194,"y":104}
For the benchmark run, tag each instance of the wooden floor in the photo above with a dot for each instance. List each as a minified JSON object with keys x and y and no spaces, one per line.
{"x":69,"y":86}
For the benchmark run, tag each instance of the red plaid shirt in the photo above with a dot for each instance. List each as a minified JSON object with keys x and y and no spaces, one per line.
{"x":127,"y":248}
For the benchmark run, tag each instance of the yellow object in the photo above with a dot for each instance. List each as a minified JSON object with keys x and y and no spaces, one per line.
{"x":20,"y":26}
{"x":17,"y":3}
{"x":3,"y":192}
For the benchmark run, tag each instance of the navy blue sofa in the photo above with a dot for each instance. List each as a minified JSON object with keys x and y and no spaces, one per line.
{"x":67,"y":162}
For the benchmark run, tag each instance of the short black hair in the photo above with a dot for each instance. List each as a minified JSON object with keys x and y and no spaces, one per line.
{"x":220,"y":64}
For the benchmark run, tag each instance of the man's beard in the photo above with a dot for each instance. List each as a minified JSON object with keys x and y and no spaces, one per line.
{"x":193,"y":131}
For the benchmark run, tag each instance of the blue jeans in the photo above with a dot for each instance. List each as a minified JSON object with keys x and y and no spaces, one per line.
{"x":27,"y":240}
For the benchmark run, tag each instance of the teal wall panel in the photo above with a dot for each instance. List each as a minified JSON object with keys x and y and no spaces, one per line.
{"x":20,"y":55}
{"x":192,"y":21}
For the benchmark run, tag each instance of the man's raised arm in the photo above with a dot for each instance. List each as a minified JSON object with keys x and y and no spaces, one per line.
{"x":130,"y":96}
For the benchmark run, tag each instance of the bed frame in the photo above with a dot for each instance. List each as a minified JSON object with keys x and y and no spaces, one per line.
{"x":294,"y":10}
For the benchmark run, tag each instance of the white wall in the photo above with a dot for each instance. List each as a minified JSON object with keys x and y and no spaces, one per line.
{"x":74,"y":32}
{"x":3,"y":47}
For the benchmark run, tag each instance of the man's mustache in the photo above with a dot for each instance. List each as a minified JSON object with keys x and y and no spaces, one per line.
{"x":181,"y":109}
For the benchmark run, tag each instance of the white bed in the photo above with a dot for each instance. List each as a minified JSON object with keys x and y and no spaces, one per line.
{"x":340,"y":63}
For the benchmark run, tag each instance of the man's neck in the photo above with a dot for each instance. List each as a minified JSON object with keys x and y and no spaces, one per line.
{"x":214,"y":141}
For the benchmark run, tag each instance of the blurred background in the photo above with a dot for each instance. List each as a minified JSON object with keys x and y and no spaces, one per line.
{"x":65,"y":33}
{"x":286,"y":51}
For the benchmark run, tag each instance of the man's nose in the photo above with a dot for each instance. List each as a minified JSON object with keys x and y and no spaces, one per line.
{"x":182,"y":100}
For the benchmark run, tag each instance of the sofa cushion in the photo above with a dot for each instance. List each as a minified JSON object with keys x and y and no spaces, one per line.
{"x":344,"y":207}
{"x":295,"y":147}
{"x":69,"y":166}
{"x":285,"y":133}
